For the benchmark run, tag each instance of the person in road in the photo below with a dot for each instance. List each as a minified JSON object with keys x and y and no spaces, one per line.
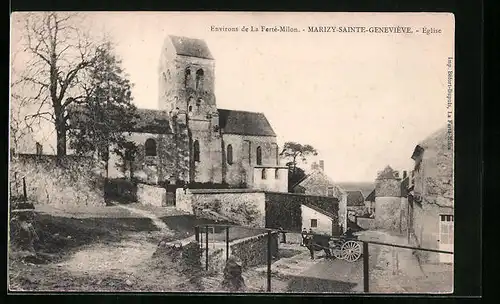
{"x":304,"y":235}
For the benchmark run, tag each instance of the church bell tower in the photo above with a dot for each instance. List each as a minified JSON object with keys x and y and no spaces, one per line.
{"x":186,"y":94}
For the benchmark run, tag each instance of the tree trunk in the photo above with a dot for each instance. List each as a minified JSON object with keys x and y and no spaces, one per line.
{"x":61,"y":137}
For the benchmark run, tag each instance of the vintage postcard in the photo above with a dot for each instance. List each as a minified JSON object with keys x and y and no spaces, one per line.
{"x":231,"y":152}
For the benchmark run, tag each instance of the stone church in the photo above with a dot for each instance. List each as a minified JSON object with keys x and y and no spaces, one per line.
{"x":189,"y":139}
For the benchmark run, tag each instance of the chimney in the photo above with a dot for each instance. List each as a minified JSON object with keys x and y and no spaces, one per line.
{"x":322,"y":165}
{"x":405,"y":174}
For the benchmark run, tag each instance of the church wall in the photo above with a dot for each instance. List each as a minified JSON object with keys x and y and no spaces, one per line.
{"x":245,"y":156}
{"x":208,"y":169}
{"x":151,"y":169}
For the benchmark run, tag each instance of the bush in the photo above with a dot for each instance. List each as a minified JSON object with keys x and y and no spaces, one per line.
{"x":120,"y":190}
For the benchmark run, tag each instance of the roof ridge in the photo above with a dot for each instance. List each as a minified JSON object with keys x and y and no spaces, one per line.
{"x":243,"y":111}
{"x":318,"y":209}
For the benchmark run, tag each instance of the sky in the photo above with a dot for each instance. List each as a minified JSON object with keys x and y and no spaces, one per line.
{"x":363,"y":100}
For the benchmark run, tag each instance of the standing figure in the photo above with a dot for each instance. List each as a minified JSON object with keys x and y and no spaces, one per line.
{"x":304,"y":235}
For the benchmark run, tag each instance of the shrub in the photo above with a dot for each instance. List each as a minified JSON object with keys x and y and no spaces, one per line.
{"x":120,"y":190}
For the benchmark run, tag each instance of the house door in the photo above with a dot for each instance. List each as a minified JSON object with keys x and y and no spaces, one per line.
{"x":446,"y":237}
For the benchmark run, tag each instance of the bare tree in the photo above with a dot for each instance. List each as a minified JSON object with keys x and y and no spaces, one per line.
{"x":60,"y":52}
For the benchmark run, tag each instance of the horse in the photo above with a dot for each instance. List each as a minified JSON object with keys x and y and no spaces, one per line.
{"x":318,"y":242}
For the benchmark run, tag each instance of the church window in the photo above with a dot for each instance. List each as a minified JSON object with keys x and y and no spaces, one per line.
{"x":199,"y":101}
{"x":230,"y":154}
{"x":39,"y":149}
{"x":259,"y":156}
{"x":190,"y":108}
{"x":277,"y":174}
{"x":187,"y":77}
{"x":264,"y":175}
{"x":150,"y":147}
{"x":196,"y":151}
{"x":199,"y":79}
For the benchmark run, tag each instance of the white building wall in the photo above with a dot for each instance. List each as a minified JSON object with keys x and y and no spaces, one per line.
{"x":276,"y":179}
{"x":324,"y":221}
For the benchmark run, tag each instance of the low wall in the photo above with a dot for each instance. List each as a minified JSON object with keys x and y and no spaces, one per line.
{"x":252,"y":251}
{"x":151,"y":195}
{"x":366,"y":223}
{"x":75,"y":181}
{"x":241,"y":206}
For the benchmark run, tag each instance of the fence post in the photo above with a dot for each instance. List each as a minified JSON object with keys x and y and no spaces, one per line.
{"x":25,"y":193}
{"x":206,"y":249}
{"x":197,"y":233}
{"x":366,"y":272}
{"x":227,"y":243}
{"x":269,"y":258}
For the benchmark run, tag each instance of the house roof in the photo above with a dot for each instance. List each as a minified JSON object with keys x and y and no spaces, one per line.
{"x":355,"y":198}
{"x":365,"y":187}
{"x":371,"y":196}
{"x":145,"y":120}
{"x":387,"y":173}
{"x":191,"y":47}
{"x":244,"y":123}
{"x":317,"y":209}
{"x":300,"y":181}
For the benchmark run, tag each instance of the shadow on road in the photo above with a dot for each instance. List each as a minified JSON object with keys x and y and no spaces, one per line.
{"x":308,"y":284}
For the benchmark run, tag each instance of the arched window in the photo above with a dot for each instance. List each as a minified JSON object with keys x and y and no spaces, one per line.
{"x":187,"y":77}
{"x":190,"y":109}
{"x":230,"y":154}
{"x":277,"y":174}
{"x":264,"y":176}
{"x":196,"y":151}
{"x":259,"y":156}
{"x":150,"y":147}
{"x":199,"y":79}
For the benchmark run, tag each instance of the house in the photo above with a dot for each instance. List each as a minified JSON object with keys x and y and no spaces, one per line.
{"x":318,"y":220}
{"x":188,"y":138}
{"x":370,"y":202}
{"x":318,"y":183}
{"x":431,"y":197}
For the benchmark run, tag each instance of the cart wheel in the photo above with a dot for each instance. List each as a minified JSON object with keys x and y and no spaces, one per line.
{"x":338,"y":254}
{"x":351,"y":251}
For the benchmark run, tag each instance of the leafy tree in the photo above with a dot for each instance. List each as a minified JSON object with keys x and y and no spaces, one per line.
{"x":107,"y":112}
{"x":60,"y":52}
{"x":293,"y":151}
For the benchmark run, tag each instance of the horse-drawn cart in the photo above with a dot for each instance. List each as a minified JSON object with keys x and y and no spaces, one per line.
{"x":346,"y":248}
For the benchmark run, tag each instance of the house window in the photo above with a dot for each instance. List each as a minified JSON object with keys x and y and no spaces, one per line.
{"x":277,"y":174}
{"x":196,"y":151}
{"x":230,"y":154}
{"x":329,"y":191}
{"x":314,"y":223}
{"x":39,"y":149}
{"x":259,"y":156}
{"x":187,"y":77}
{"x":150,"y":147}
{"x":264,"y":176}
{"x":199,"y":79}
